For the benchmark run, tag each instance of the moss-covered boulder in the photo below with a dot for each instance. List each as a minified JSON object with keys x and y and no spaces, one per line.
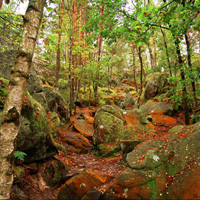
{"x":34,"y":136}
{"x":56,"y":102}
{"x":162,"y":169}
{"x":127,"y":102}
{"x":154,"y":84}
{"x":108,"y":125}
{"x":112,"y":124}
{"x":52,"y":172}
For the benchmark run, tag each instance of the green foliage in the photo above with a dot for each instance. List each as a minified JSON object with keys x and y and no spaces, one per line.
{"x":20,"y":155}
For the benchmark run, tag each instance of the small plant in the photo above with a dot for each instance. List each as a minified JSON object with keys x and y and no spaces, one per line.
{"x":20,"y":155}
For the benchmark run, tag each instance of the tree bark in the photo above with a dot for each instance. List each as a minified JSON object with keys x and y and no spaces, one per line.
{"x":182,"y":73}
{"x":61,"y":8}
{"x":151,"y":58}
{"x":13,"y":105}
{"x":1,"y":3}
{"x":141,"y":70}
{"x":96,"y":84}
{"x":167,"y":53}
{"x":133,"y":50}
{"x":190,"y":69}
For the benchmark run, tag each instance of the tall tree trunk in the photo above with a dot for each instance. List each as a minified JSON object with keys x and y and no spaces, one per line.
{"x":166,"y":51}
{"x":73,"y":40}
{"x":155,"y":52}
{"x":190,"y":69}
{"x":182,"y":73}
{"x":96,"y":84}
{"x":70,"y":63}
{"x":151,"y":57}
{"x":141,"y":70}
{"x":13,"y":105}
{"x":133,"y":50}
{"x":61,"y":8}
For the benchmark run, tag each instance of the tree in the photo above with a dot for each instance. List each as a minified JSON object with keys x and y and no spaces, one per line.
{"x":18,"y":81}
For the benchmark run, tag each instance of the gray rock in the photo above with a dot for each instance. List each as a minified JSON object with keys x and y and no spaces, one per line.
{"x":127,"y":101}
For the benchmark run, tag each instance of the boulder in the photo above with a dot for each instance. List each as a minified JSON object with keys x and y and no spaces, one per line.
{"x":76,"y":187}
{"x":154,"y":84}
{"x":48,"y":97}
{"x":52,"y":172}
{"x":112,"y":124}
{"x":54,"y":122}
{"x":35,"y":88}
{"x":162,"y":169}
{"x":127,"y":102}
{"x":84,"y":127}
{"x":75,"y":142}
{"x":158,"y":112}
{"x":56,"y":103}
{"x":159,"y":108}
{"x":7,"y":62}
{"x":92,"y":194}
{"x":108,"y":125}
{"x":34,"y":136}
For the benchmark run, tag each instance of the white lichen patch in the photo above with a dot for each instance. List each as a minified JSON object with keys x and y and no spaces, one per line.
{"x":101,"y":126}
{"x":82,"y":185}
{"x":156,"y":158}
{"x":125,"y":192}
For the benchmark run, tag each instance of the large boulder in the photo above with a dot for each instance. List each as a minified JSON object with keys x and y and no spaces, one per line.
{"x":162,"y":169}
{"x":159,"y":112}
{"x":34,"y":136}
{"x":35,"y":88}
{"x":108,"y":125}
{"x":112,"y":124}
{"x":56,"y":102}
{"x":154,"y":84}
{"x":127,"y":102}
{"x":75,"y":142}
{"x":76,"y":187}
{"x":48,"y":97}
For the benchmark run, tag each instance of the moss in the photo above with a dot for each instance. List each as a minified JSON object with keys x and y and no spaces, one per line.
{"x":18,"y":173}
{"x":108,"y":151}
{"x":3,"y":90}
{"x":153,"y":185}
{"x":114,"y":127}
{"x":53,"y":174}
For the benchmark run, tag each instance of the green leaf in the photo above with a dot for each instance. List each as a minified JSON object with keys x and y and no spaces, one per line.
{"x":19,"y":155}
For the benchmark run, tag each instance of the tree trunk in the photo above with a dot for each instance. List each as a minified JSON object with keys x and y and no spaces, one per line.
{"x":61,"y":8}
{"x":70,"y":65}
{"x":182,"y":73}
{"x":133,"y":49}
{"x":13,"y":105}
{"x":141,"y":70}
{"x":151,"y":58}
{"x":155,"y":52}
{"x":1,"y":3}
{"x":166,"y":51}
{"x":96,"y":84}
{"x":190,"y":69}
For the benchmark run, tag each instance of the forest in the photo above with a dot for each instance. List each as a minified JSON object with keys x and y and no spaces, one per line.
{"x":99,"y":99}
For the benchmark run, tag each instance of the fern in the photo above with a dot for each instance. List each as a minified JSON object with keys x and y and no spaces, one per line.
{"x":19,"y":155}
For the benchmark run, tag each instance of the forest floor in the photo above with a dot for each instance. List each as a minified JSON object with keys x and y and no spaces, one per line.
{"x":112,"y":166}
